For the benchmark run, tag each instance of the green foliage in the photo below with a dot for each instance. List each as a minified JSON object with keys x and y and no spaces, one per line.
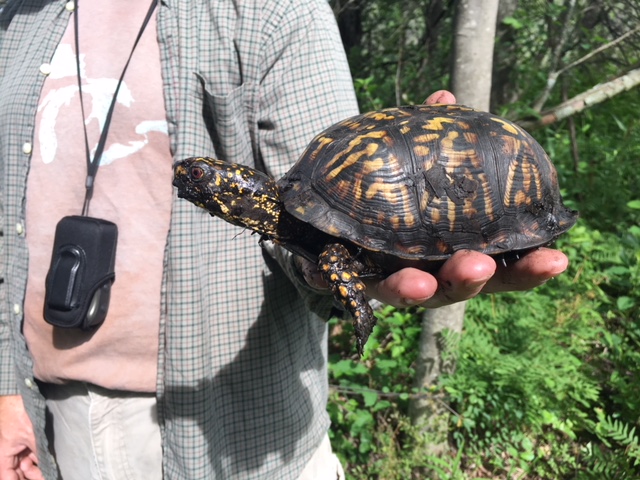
{"x":603,"y":179}
{"x":545,"y":386}
{"x":546,"y":381}
{"x":401,"y":42}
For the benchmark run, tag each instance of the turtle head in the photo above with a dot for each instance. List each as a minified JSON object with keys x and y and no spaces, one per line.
{"x":240,"y":195}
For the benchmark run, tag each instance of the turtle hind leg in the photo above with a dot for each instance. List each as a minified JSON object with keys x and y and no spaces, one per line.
{"x":341,"y":271}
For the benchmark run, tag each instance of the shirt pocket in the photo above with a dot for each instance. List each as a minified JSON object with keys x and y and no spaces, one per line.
{"x":230,"y":120}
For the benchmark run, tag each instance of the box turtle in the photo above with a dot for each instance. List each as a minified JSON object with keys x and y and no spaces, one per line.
{"x":388,"y":189}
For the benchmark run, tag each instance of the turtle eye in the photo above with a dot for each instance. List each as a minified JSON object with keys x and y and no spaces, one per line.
{"x":197,"y":173}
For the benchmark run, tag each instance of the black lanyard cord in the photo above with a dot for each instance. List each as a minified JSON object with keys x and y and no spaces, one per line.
{"x":92,"y":166}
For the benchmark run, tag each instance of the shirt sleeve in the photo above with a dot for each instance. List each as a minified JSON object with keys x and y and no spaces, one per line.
{"x":307,"y":88}
{"x":7,"y":368}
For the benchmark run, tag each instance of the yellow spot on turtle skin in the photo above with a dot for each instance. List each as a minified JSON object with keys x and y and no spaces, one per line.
{"x":300,"y":209}
{"x":325,"y":267}
{"x":353,"y":304}
{"x":223,"y":208}
{"x":404,"y":130}
{"x":360,"y":286}
{"x":345,"y":277}
{"x":509,"y":127}
{"x":334,"y":277}
{"x":333,"y":259}
{"x":344,"y":291}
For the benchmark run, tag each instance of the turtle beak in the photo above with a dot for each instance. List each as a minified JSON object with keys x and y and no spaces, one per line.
{"x":179,"y":174}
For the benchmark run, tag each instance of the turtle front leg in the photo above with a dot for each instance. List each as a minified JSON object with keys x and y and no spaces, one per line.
{"x":341,"y":271}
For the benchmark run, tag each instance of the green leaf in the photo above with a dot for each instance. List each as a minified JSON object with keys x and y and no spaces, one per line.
{"x":346,"y":368}
{"x":625,"y":303}
{"x":370,"y":398}
{"x":513,"y":23}
{"x":635,"y":204}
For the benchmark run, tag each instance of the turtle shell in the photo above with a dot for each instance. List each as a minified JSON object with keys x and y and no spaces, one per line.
{"x":421,"y":182}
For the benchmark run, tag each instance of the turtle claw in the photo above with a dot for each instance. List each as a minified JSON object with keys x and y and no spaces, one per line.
{"x":340,"y":271}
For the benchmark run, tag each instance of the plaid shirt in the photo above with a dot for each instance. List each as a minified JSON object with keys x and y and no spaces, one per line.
{"x":242,"y":370}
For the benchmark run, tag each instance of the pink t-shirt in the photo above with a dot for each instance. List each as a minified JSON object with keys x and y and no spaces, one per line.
{"x":133,"y":189}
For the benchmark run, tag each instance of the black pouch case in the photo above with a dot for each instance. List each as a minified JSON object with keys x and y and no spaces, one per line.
{"x":78,"y":284}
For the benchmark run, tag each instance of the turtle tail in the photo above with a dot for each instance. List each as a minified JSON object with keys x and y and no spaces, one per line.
{"x":341,"y":272}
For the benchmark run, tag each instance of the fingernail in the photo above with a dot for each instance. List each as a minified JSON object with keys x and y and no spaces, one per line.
{"x":410,"y":302}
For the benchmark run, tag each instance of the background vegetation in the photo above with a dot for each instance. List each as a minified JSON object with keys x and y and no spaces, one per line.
{"x":546,"y":384}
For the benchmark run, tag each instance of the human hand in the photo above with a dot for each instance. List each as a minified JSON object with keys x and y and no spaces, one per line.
{"x":18,"y":459}
{"x":466,"y":274}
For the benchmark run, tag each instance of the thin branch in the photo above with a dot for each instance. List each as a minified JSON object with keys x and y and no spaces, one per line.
{"x":555,"y":59}
{"x":601,"y":48}
{"x":553,"y":76}
{"x":593,"y":96}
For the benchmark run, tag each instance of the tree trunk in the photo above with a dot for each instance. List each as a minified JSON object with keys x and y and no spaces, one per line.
{"x":473,"y":52}
{"x":429,"y":412}
{"x":471,"y":84}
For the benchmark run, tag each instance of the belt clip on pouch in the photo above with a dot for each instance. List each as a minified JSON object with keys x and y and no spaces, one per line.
{"x":78,"y":285}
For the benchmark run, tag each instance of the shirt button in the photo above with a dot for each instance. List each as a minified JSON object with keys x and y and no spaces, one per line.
{"x":45,"y":68}
{"x":29,"y":383}
{"x":16,"y":309}
{"x":27,"y":148}
{"x":70,"y":6}
{"x":19,"y":228}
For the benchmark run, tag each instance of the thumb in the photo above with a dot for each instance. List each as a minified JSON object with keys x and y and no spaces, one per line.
{"x":441,"y":96}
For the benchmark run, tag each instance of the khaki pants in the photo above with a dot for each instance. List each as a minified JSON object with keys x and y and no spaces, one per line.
{"x":99,"y":434}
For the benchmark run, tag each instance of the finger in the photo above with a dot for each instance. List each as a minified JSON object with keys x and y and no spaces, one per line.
{"x":11,"y":475}
{"x":461,"y":277}
{"x":441,"y":96}
{"x":403,"y":288}
{"x":532,"y":270}
{"x":9,"y":466}
{"x":310,"y":272}
{"x":29,"y":467}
